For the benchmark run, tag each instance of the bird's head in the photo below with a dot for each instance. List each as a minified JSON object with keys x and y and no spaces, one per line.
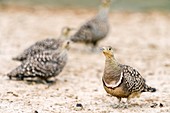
{"x":66,"y":44}
{"x":66,"y":31}
{"x":107,"y":51}
{"x":106,"y":3}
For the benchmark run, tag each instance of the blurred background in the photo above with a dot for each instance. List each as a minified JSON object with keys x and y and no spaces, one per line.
{"x":125,"y":5}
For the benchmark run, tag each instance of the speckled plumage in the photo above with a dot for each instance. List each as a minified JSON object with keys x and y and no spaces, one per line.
{"x":122,"y":81}
{"x":46,"y":44}
{"x":95,"y":29}
{"x":45,"y":64}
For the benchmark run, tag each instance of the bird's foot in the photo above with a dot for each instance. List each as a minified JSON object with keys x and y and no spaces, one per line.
{"x":116,"y":106}
{"x":125,"y":105}
{"x":40,"y":81}
{"x":48,"y":82}
{"x":120,"y":105}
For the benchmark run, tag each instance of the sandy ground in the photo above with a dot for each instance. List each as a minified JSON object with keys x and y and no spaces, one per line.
{"x":141,"y":40}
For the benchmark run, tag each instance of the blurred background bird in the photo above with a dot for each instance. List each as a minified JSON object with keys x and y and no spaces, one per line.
{"x":122,"y":81}
{"x":95,"y":29}
{"x":47,"y":44}
{"x":44,"y":65}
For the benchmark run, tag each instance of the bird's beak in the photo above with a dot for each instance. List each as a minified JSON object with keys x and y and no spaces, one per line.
{"x":103,"y":50}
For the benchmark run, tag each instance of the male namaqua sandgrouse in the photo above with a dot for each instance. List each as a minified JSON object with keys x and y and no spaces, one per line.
{"x":122,"y":81}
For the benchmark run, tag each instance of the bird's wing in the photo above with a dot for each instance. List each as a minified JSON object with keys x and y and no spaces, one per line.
{"x":38,"y":47}
{"x":39,"y":65}
{"x":84,"y":33}
{"x":132,"y":78}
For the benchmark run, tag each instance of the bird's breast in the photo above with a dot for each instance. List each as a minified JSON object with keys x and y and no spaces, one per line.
{"x":117,"y":92}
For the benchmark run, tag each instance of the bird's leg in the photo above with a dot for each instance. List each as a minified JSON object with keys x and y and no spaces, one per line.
{"x":127,"y":103}
{"x":119,"y":100}
{"x":48,"y":82}
{"x":94,"y":44}
{"x":40,"y":80}
{"x":94,"y":47}
{"x":119,"y":103}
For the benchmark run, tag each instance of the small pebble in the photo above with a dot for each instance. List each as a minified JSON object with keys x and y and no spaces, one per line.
{"x":66,"y":89}
{"x":12,"y":94}
{"x":153,"y":105}
{"x":79,"y":107}
{"x":161,"y":105}
{"x":76,"y":97}
{"x":35,"y":111}
{"x":95,"y":90}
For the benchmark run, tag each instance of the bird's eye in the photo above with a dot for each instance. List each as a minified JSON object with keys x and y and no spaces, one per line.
{"x":109,"y":48}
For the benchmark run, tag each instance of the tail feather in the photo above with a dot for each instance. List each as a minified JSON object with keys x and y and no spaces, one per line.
{"x":15,"y":58}
{"x":18,"y":58}
{"x":149,"y":89}
{"x":11,"y":75}
{"x":15,"y":74}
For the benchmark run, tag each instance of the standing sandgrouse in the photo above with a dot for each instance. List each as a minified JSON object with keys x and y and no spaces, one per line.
{"x":122,"y":81}
{"x":95,"y":29}
{"x":45,"y":64}
{"x":47,"y":44}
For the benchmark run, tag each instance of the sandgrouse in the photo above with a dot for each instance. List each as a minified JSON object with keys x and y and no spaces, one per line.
{"x":44,"y":65}
{"x":122,"y":81}
{"x":47,"y":44}
{"x":95,"y":29}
